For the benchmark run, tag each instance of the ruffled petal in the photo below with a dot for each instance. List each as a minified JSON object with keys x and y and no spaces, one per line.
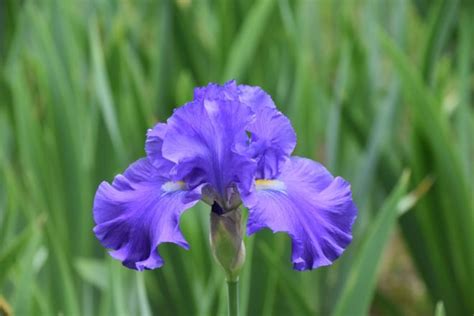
{"x":272,"y":137}
{"x":213,"y":91}
{"x":139,"y":211}
{"x":272,"y":141}
{"x":153,"y":145}
{"x":206,"y":140}
{"x":308,"y":203}
{"x":202,"y":138}
{"x":255,"y":96}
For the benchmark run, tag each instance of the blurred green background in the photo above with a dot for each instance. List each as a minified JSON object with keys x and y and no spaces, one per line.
{"x":380,"y":91}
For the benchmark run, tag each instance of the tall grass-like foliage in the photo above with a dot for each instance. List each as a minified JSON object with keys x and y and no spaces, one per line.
{"x":381,"y":91}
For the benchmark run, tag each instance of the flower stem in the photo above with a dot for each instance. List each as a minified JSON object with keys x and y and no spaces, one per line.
{"x":233,"y":297}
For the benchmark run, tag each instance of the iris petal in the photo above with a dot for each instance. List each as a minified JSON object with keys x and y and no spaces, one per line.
{"x":273,"y":139}
{"x":202,"y":138}
{"x":139,"y":211}
{"x":213,"y":91}
{"x":153,"y":145}
{"x":313,"y":207}
{"x":255,"y":96}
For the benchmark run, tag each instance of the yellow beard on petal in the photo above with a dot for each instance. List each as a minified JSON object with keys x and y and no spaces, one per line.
{"x":264,"y":184}
{"x":172,"y":186}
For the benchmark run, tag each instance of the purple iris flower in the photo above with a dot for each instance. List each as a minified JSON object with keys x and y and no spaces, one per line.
{"x":229,"y":146}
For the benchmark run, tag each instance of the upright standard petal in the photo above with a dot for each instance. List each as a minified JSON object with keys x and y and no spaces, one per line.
{"x":308,"y":203}
{"x":272,"y":138}
{"x":255,"y":96}
{"x":139,"y":211}
{"x":153,"y":145}
{"x":213,"y":91}
{"x":202,"y":137}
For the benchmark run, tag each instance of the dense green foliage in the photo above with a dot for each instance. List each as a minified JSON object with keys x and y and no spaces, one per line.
{"x":379,"y":91}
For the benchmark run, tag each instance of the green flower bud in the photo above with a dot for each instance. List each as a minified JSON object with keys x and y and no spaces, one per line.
{"x":226,"y":240}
